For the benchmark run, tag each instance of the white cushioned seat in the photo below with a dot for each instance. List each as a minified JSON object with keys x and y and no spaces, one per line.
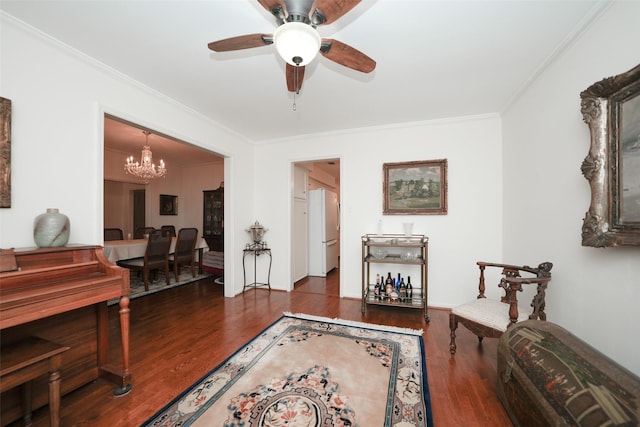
{"x":491,"y":313}
{"x":490,"y":317}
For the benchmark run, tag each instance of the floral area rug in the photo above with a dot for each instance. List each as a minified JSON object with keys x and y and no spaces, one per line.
{"x":310,"y":371}
{"x":159,"y":283}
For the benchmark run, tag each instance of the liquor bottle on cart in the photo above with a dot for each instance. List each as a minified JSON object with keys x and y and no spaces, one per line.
{"x":388,"y":285}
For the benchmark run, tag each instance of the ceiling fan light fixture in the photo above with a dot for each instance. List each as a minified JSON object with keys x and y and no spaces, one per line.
{"x":297,"y":43}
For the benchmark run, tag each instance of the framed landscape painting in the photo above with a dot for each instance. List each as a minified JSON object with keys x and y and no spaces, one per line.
{"x":415,"y":188}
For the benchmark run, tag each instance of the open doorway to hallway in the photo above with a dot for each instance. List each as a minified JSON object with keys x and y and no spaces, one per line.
{"x":316,"y":223}
{"x":329,"y":285}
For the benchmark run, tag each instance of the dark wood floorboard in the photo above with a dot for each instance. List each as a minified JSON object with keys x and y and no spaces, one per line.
{"x":179,"y":335}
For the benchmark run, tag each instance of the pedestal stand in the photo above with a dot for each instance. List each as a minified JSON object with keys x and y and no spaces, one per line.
{"x":256,"y":249}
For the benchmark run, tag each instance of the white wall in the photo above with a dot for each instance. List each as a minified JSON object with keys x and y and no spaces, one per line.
{"x":594,"y":293}
{"x":59,"y":98}
{"x":471,"y":231}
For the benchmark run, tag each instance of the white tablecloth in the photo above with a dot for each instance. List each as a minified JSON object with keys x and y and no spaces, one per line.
{"x":116,"y":250}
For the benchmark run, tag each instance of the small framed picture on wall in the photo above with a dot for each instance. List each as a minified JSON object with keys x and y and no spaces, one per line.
{"x":168,"y":205}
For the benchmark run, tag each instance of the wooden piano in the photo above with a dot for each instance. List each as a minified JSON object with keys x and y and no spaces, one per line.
{"x":61,"y":294}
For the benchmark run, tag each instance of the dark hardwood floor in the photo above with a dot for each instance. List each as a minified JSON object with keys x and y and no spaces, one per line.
{"x":180,"y":334}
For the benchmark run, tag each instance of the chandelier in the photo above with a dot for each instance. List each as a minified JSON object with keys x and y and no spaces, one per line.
{"x":145,"y":169}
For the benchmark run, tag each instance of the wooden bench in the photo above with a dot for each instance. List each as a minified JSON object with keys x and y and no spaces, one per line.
{"x":26,"y":360}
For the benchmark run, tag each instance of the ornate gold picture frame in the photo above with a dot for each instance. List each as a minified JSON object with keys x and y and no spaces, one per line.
{"x":5,"y":153}
{"x":415,"y":188}
{"x":611,"y":109}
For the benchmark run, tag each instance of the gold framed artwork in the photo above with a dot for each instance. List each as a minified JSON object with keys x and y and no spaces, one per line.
{"x":415,"y":188}
{"x":5,"y":153}
{"x":611,"y":109}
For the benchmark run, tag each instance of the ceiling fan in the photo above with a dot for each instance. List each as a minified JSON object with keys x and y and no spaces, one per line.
{"x":297,"y":40}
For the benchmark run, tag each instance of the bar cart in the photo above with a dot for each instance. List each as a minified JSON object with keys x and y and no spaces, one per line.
{"x":408,"y":251}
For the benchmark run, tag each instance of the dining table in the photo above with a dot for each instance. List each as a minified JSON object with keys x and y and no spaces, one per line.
{"x":116,"y":250}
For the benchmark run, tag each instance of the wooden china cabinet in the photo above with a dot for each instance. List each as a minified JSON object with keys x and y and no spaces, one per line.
{"x":213,"y":219}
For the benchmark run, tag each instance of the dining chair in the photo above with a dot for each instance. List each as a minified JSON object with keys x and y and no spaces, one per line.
{"x":113,"y":234}
{"x":487,"y":317}
{"x":184,"y":252}
{"x":169,"y":229}
{"x":141,"y":231}
{"x":156,"y":257}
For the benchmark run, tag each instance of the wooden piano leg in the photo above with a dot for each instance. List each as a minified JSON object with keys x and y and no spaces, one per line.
{"x":54,"y":391}
{"x":120,"y":376}
{"x":124,"y":332}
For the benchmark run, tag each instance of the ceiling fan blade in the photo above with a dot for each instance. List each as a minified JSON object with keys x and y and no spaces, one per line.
{"x":344,"y":54}
{"x":270,"y":4}
{"x":277,"y":8}
{"x":241,"y":42}
{"x":332,"y":9}
{"x":295,"y":76}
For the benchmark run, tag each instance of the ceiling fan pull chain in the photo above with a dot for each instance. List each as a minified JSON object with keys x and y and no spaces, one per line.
{"x":295,"y":84}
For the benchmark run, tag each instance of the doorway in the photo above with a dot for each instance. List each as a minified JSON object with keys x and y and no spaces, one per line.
{"x":137,"y":203}
{"x":329,"y":286}
{"x":139,"y":206}
{"x":118,"y":206}
{"x":129,"y":202}
{"x":308,"y":178}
